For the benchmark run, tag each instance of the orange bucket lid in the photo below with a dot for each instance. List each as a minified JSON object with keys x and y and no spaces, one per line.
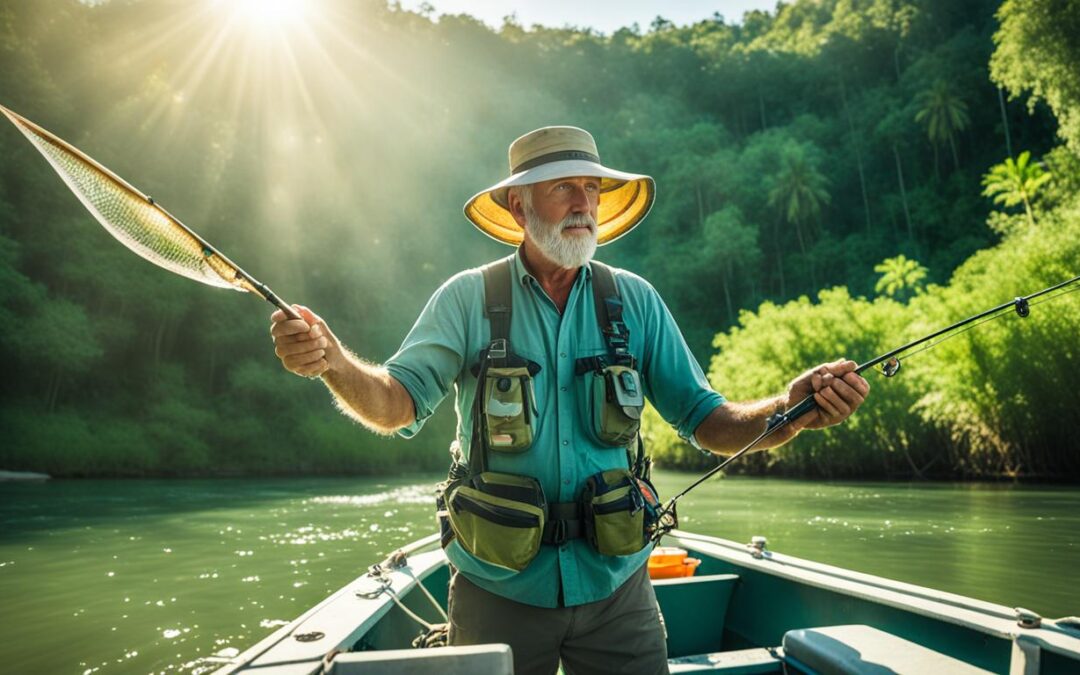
{"x":666,"y":555}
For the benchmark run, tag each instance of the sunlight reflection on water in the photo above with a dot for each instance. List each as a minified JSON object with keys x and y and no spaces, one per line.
{"x":413,"y":494}
{"x":210,"y":567}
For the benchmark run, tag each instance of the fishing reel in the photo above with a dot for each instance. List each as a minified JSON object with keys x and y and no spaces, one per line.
{"x":890,"y":367}
{"x":666,"y":521}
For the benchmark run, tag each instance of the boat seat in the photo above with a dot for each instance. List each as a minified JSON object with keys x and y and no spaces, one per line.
{"x":863,"y":650}
{"x":694,"y":609}
{"x":490,"y":659}
{"x":757,"y":661}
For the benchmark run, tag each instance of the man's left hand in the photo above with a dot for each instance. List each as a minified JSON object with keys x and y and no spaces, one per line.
{"x":838,"y":392}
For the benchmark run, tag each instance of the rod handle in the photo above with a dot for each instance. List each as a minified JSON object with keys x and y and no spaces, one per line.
{"x":790,"y":415}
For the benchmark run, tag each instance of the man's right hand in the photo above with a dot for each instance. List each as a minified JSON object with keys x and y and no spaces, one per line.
{"x":306,"y":347}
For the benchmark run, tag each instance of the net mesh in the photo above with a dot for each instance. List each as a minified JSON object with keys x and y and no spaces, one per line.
{"x":130,"y":216}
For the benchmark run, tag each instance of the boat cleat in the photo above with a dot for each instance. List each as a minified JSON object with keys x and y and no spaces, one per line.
{"x":757,"y":545}
{"x":1025,"y":618}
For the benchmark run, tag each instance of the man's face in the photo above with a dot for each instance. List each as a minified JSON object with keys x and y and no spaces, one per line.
{"x":554,"y":200}
{"x":562,"y":219}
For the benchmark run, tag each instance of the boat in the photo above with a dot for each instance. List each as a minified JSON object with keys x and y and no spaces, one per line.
{"x":745,"y":609}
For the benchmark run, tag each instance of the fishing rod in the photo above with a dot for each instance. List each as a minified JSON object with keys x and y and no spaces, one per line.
{"x":890,"y":366}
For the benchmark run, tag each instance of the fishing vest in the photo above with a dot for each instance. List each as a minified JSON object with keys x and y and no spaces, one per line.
{"x":503,"y":518}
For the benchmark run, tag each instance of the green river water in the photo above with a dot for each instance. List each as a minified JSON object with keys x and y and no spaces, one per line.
{"x":153,"y":576}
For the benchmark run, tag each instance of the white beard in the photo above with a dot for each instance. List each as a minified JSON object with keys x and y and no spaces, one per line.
{"x":567,"y":251}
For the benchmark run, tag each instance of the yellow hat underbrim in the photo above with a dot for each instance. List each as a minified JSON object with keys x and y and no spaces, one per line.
{"x":625,"y":199}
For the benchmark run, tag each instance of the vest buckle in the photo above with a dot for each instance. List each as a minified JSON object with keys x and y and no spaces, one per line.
{"x":498,"y":349}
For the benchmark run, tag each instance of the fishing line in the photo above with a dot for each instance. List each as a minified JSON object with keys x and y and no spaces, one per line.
{"x":965,"y":329}
{"x":950,"y":336}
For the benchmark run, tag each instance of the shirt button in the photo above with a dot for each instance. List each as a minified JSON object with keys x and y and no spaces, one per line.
{"x":562,"y":355}
{"x":566,"y":442}
{"x":562,"y":388}
{"x":566,"y":481}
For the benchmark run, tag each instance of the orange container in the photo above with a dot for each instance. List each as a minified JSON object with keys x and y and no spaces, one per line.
{"x":671,"y":563}
{"x":666,"y":555}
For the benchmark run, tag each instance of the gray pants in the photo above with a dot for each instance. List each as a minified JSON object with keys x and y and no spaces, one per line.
{"x":621,"y":634}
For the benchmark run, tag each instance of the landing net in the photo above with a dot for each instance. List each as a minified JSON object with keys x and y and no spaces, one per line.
{"x":132,"y":217}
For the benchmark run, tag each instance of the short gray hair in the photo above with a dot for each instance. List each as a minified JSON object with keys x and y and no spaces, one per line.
{"x":524,"y":193}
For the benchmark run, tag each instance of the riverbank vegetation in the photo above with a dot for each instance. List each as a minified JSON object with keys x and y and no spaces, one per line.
{"x":835,"y":177}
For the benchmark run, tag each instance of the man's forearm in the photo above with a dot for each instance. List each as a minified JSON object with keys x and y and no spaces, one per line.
{"x":369,"y":394}
{"x":837,"y":390}
{"x":733,"y":425}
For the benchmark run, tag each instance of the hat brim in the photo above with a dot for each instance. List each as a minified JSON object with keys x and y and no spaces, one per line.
{"x":625,"y":199}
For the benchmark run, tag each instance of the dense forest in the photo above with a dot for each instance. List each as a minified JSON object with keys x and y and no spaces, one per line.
{"x":833,"y":177}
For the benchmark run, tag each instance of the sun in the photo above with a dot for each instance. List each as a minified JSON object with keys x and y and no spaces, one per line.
{"x":268,"y":14}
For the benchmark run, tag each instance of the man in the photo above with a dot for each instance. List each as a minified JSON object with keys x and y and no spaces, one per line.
{"x":566,"y":601}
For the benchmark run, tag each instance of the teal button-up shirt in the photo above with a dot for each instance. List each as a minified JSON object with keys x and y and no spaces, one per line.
{"x":446,"y":341}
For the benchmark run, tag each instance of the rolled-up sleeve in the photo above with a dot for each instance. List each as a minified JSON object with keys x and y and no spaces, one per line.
{"x":674,"y":381}
{"x":431,"y":356}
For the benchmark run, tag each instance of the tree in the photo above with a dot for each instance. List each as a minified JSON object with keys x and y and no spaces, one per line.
{"x":893,"y":130}
{"x":900,"y":277}
{"x":1037,"y":51}
{"x":730,"y":246}
{"x":1016,"y":182}
{"x":944,"y":114}
{"x":799,"y":193}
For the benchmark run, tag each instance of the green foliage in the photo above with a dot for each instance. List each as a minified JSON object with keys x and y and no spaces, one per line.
{"x":944,"y":114}
{"x":900,"y":278}
{"x":1002,"y":393}
{"x":785,"y":147}
{"x":989,"y":403}
{"x":1037,"y":52}
{"x":1016,"y":182}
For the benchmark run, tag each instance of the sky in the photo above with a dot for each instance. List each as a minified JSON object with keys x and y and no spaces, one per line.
{"x":606,"y":16}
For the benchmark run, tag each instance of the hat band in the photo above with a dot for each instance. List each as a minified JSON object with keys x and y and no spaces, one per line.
{"x":560,"y":156}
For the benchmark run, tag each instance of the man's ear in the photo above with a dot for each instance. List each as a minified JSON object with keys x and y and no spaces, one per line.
{"x":517,"y":208}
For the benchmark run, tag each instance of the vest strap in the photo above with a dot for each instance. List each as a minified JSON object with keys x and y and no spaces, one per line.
{"x":497,"y":301}
{"x":609,"y":316}
{"x":563,"y":524}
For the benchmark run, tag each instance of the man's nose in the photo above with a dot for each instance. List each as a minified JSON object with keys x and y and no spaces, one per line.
{"x":580,"y":201}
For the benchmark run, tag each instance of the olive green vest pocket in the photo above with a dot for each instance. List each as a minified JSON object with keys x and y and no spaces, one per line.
{"x":614,"y":517}
{"x":509,"y":409}
{"x":615,"y":400}
{"x":494,"y":527}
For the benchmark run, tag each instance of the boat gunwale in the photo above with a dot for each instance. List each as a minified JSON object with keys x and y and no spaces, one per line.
{"x":400,"y":582}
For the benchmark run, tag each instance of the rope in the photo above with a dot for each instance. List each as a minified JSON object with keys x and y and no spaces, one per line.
{"x":387,"y":587}
{"x":414,"y":615}
{"x":434,"y":602}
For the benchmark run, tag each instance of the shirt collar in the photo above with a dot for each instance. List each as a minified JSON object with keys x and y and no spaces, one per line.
{"x":522,"y":274}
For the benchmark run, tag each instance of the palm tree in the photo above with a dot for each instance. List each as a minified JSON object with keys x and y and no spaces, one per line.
{"x":1016,"y":182}
{"x":944,"y":115}
{"x":798,"y":194}
{"x":900,"y":277}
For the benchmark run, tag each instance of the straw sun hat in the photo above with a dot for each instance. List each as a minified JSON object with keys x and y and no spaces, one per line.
{"x":562,"y":152}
